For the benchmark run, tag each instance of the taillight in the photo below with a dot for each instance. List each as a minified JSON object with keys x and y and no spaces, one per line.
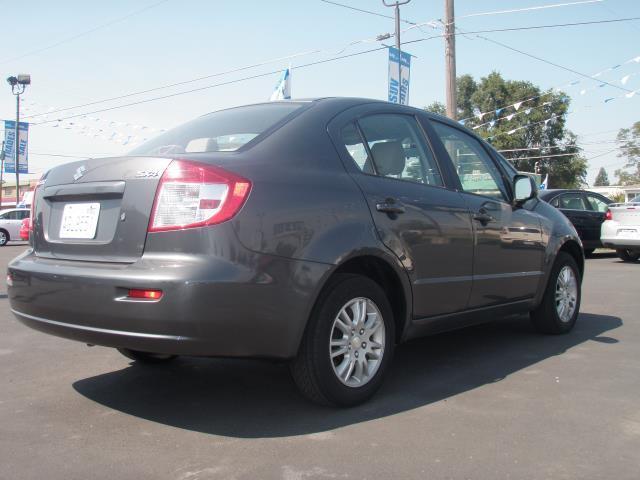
{"x":33,"y":204}
{"x":192,"y":194}
{"x":608,"y":215}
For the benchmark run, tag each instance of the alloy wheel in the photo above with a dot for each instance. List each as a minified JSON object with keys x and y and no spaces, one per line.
{"x":357,"y":342}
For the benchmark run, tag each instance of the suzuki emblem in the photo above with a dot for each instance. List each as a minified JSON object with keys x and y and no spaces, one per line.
{"x":79,"y":172}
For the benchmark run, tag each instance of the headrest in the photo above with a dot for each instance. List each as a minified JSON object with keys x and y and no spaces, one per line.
{"x":389,"y":158}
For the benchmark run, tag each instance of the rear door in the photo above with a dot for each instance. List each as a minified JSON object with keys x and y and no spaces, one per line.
{"x":598,"y":207}
{"x":508,"y":250}
{"x":423,"y":223}
{"x":575,"y":208}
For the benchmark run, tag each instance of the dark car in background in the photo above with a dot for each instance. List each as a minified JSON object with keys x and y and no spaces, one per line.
{"x":322,"y":232}
{"x":585,"y":209}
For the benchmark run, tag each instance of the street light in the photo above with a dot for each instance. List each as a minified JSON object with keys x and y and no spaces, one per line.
{"x":18,"y":86}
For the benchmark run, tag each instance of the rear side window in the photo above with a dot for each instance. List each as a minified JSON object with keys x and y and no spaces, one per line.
{"x":394,"y":148}
{"x":571,"y":201}
{"x":475,"y":168}
{"x":223,"y":131}
{"x":597,"y":204}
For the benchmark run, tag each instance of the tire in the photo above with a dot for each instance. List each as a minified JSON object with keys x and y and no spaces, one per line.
{"x":550,"y":317}
{"x":316,"y":372}
{"x":4,"y":237}
{"x":628,"y":255}
{"x":146,"y":357}
{"x":589,"y":251}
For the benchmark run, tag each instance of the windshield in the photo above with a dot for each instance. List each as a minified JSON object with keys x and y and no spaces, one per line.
{"x":223,"y":131}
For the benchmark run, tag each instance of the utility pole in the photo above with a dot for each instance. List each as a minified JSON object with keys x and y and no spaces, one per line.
{"x":450,"y":57}
{"x":1,"y":172}
{"x":397,"y":35}
{"x":18,"y":86}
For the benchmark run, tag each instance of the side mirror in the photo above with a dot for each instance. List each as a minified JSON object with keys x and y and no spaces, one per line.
{"x":524,"y":188}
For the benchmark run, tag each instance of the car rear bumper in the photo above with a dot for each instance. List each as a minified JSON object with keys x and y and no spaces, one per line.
{"x":210,"y":306}
{"x":620,"y":236}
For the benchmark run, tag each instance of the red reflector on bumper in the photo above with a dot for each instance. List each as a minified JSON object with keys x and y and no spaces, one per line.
{"x":146,"y":294}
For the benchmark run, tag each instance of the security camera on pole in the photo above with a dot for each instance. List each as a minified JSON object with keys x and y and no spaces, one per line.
{"x":18,"y":86}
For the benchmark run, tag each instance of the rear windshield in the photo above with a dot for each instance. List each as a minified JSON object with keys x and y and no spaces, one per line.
{"x":223,"y":131}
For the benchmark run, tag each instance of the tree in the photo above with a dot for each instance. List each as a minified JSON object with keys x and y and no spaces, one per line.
{"x":535,"y":129}
{"x":629,"y":146}
{"x":602,"y":179}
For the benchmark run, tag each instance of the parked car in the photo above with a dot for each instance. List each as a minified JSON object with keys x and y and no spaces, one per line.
{"x":10,"y":221}
{"x":25,"y":225}
{"x":322,"y":232}
{"x":621,"y":230}
{"x":585,"y":209}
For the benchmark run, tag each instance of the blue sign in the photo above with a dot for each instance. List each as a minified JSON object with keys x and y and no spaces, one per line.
{"x":10,"y":148}
{"x":399,"y":77}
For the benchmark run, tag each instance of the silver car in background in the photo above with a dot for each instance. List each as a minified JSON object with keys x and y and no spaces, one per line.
{"x":10,"y":221}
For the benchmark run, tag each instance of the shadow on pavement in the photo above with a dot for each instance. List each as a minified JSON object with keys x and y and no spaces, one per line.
{"x":251,"y":399}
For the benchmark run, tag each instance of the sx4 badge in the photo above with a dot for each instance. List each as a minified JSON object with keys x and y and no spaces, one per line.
{"x":147,"y":173}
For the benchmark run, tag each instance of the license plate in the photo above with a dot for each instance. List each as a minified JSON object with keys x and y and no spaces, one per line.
{"x":79,"y":220}
{"x":627,"y":232}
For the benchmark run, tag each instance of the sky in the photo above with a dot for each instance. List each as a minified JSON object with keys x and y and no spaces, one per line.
{"x":80,"y":52}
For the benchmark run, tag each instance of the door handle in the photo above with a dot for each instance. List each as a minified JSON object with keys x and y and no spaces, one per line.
{"x":390,"y":205}
{"x":483,"y":217}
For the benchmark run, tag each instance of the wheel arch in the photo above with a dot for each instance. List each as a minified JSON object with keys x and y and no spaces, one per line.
{"x":573,"y":248}
{"x":385,"y":272}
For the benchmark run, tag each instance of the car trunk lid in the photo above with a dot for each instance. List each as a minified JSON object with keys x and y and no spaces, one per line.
{"x":96,"y":210}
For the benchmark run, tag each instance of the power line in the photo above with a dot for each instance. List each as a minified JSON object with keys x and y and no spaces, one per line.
{"x":288,"y":57}
{"x":86,"y":32}
{"x":528,"y":9}
{"x":210,"y":86}
{"x":575,"y":72}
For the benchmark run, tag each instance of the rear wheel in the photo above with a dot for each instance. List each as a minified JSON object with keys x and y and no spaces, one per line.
{"x":348,"y":343}
{"x":4,"y":237}
{"x":558,"y":311}
{"x":146,"y":357}
{"x":627,"y":255}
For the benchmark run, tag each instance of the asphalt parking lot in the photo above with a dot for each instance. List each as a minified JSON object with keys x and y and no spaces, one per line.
{"x":491,"y":402}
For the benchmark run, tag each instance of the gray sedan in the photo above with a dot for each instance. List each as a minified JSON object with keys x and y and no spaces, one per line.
{"x":324,"y":232}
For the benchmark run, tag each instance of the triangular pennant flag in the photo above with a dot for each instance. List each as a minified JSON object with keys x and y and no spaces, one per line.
{"x":607,"y":100}
{"x":510,"y":116}
{"x":583,"y":91}
{"x":492,"y":123}
{"x":527,"y":111}
{"x":462,"y":122}
{"x":628,"y":95}
{"x":499,"y":111}
{"x":574,"y":83}
{"x":517,"y":105}
{"x":480,"y":115}
{"x":616,"y":66}
{"x":625,"y":79}
{"x":602,"y":85}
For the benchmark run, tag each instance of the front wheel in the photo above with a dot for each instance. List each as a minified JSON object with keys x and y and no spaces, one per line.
{"x":558,"y":311}
{"x":146,"y":357}
{"x":627,"y":255}
{"x":4,"y":237}
{"x":348,"y":343}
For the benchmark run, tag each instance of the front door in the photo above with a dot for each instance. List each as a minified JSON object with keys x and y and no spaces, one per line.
{"x":424,"y":224}
{"x":508,"y":253}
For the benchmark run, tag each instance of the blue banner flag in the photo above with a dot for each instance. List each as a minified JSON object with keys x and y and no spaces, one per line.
{"x":10,"y":148}
{"x":399,"y":77}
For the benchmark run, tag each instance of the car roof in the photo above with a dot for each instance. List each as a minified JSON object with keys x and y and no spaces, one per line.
{"x":554,"y":192}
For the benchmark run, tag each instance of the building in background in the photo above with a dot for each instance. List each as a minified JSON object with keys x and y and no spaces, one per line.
{"x":617,"y":192}
{"x":9,"y":192}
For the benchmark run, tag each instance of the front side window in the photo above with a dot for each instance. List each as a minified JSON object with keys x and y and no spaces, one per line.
{"x":223,"y":131}
{"x":398,"y":149}
{"x":475,"y":168}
